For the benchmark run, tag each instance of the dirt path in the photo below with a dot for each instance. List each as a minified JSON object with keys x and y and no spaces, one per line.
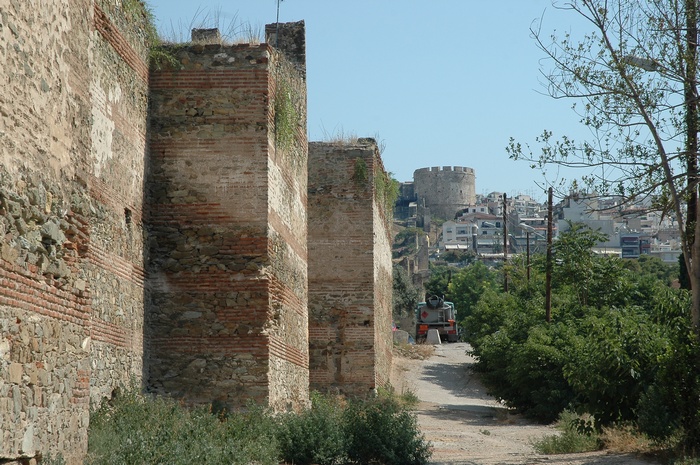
{"x":466,"y":426}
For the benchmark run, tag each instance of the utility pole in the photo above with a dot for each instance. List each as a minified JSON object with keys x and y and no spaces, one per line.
{"x":505,"y":244}
{"x":548,"y":277}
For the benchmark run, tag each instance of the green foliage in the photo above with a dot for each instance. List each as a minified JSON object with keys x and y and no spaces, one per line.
{"x":573,"y":253}
{"x":315,"y":436}
{"x":387,"y":191}
{"x":379,"y":430}
{"x":51,"y":460}
{"x":140,"y":12}
{"x":135,"y":429}
{"x":520,"y":356}
{"x":405,"y":242}
{"x":287,"y":113}
{"x":620,"y":345}
{"x":467,"y":286}
{"x":669,"y":407}
{"x":612,"y":359}
{"x":458,"y":256}
{"x":382,"y":431}
{"x":653,"y":267}
{"x":360,"y":174}
{"x":573,"y":437}
{"x":405,"y":295}
{"x":488,"y":315}
{"x":438,"y":284}
{"x":289,"y":106}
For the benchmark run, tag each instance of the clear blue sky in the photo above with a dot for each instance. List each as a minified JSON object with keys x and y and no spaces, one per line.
{"x":438,"y":82}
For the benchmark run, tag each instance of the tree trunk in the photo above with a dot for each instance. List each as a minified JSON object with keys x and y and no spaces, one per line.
{"x":691,"y":120}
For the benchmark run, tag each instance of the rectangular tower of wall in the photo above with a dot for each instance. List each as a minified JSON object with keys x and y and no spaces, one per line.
{"x":228,"y":272}
{"x":350,"y":274}
{"x":73,"y":102}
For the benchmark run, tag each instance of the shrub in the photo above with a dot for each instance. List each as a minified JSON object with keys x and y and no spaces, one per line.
{"x":577,"y":435}
{"x":134,"y":429}
{"x":612,"y":359}
{"x":381,"y":431}
{"x":314,"y":436}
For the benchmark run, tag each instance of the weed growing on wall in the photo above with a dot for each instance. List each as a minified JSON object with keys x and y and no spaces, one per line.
{"x":387,"y":189}
{"x":360,"y":174}
{"x":288,"y":109}
{"x":139,"y":12}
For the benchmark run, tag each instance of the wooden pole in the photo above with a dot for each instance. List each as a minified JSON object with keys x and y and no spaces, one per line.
{"x":505,"y":244}
{"x":548,"y":278}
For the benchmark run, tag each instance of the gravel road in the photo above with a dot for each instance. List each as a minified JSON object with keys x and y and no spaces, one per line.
{"x":466,"y":426}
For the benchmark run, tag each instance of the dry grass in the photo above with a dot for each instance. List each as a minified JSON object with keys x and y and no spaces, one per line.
{"x":231,"y":29}
{"x":414,"y":351}
{"x":339,"y":136}
{"x":625,"y":439}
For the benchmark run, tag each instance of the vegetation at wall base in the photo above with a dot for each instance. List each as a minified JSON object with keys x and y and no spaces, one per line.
{"x":138,"y":429}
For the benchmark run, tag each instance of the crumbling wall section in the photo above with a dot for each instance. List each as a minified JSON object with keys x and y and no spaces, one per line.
{"x":228,"y":233}
{"x":349,"y":270}
{"x":65,"y":332}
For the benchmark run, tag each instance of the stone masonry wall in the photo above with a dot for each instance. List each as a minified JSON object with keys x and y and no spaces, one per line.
{"x":72,"y":140}
{"x":228,"y":319}
{"x":349,"y":270}
{"x":383,"y":286}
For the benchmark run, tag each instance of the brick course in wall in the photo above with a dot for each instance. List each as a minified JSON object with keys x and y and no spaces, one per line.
{"x":349,"y":270}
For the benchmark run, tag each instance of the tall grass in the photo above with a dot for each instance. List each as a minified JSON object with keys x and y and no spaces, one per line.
{"x":232,"y":30}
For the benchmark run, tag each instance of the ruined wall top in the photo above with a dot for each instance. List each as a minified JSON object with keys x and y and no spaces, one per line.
{"x":290,"y":39}
{"x":206,"y":36}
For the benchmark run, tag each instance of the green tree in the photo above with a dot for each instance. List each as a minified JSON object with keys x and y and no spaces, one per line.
{"x":405,"y":242}
{"x":652,"y":267}
{"x":636,"y":74}
{"x":439,"y":282}
{"x":468,"y":285}
{"x":406,"y":295}
{"x":574,"y":258}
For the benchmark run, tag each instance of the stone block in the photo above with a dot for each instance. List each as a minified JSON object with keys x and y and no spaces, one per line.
{"x":16,"y":372}
{"x":400,"y":337}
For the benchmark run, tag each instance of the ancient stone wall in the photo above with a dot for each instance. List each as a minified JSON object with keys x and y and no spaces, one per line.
{"x":223,"y":236}
{"x":445,"y":189}
{"x":228,"y":319}
{"x":350,"y":278}
{"x":73,"y":93}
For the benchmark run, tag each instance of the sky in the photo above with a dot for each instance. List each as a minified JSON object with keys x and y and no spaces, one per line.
{"x":436,"y":82}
